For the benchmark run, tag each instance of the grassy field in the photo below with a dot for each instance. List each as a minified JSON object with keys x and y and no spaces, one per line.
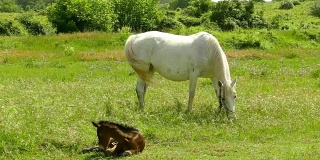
{"x":51,"y":88}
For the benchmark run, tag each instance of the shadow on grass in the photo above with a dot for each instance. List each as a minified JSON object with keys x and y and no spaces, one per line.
{"x":53,"y":145}
{"x":100,"y":155}
{"x":74,"y":149}
{"x":97,"y":153}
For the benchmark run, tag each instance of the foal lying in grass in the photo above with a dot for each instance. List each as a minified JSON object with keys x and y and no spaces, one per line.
{"x":117,"y":139}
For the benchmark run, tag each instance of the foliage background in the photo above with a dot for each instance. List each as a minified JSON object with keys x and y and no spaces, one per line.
{"x":144,"y":15}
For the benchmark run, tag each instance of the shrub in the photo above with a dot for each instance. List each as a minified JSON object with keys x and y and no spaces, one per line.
{"x":316,"y":73}
{"x":232,"y":14}
{"x":312,"y":35}
{"x":81,"y":15}
{"x":229,"y":24}
{"x":140,"y":15}
{"x":245,"y":42}
{"x":198,"y":7}
{"x":169,"y":23}
{"x":174,"y":4}
{"x":189,"y":21}
{"x":315,"y":9}
{"x":256,"y":21}
{"x":9,"y":6}
{"x":286,"y":5}
{"x":9,"y":27}
{"x":278,"y":20}
{"x":258,"y":1}
{"x":295,"y":3}
{"x":36,"y":24}
{"x":205,"y":22}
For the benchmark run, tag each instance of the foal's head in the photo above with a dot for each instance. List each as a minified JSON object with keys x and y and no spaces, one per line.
{"x":227,"y":98}
{"x":103,"y":133}
{"x":109,"y":131}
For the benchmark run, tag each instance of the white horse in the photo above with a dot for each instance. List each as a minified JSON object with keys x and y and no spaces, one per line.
{"x":180,"y":58}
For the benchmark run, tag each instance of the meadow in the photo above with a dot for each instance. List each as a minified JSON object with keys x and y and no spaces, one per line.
{"x":52,"y":87}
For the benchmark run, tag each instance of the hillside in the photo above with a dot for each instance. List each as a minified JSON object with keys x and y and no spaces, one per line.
{"x":297,"y":18}
{"x":296,"y":29}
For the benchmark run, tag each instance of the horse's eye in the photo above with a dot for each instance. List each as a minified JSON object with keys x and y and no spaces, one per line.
{"x":235,"y":97}
{"x":223,"y":99}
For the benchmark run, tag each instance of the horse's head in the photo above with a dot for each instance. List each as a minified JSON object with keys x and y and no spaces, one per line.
{"x":227,"y":98}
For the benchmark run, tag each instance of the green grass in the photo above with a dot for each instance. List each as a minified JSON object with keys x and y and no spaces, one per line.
{"x":49,"y":98}
{"x":52,"y":87}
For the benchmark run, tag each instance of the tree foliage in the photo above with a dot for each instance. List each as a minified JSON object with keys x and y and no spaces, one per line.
{"x":140,"y":15}
{"x":9,"y":27}
{"x":230,"y":15}
{"x":174,"y":4}
{"x":87,"y":15}
{"x":36,"y":24}
{"x":315,"y":9}
{"x":35,"y":5}
{"x":81,"y":15}
{"x":198,"y":7}
{"x":137,"y":15}
{"x":9,"y":6}
{"x":286,"y":5}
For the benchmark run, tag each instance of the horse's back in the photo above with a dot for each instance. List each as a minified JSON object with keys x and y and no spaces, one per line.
{"x":173,"y":56}
{"x":157,"y":37}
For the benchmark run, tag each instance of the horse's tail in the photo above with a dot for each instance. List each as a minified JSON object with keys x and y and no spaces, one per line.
{"x":141,"y":67}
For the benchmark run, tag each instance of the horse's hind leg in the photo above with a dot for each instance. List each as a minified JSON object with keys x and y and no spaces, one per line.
{"x":141,"y":90}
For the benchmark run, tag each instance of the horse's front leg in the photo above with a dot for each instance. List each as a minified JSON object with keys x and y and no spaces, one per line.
{"x":141,"y":90}
{"x":192,"y":90}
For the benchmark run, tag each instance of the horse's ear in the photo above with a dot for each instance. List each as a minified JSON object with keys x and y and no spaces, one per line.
{"x":95,"y":124}
{"x":220,"y":83}
{"x":234,"y":82}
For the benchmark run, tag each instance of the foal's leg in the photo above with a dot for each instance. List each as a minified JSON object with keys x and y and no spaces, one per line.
{"x":110,"y":151}
{"x":129,"y":152}
{"x":141,"y":90}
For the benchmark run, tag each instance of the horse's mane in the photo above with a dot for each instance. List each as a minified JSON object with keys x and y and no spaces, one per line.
{"x":121,"y":127}
{"x":220,"y":61}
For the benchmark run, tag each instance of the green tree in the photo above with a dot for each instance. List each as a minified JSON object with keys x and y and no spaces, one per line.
{"x":140,"y":15}
{"x":81,"y":15}
{"x":36,"y":24}
{"x":9,"y":6}
{"x":164,"y":1}
{"x":35,"y":5}
{"x":197,"y":7}
{"x":315,"y":9}
{"x":230,"y":15}
{"x":174,"y":4}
